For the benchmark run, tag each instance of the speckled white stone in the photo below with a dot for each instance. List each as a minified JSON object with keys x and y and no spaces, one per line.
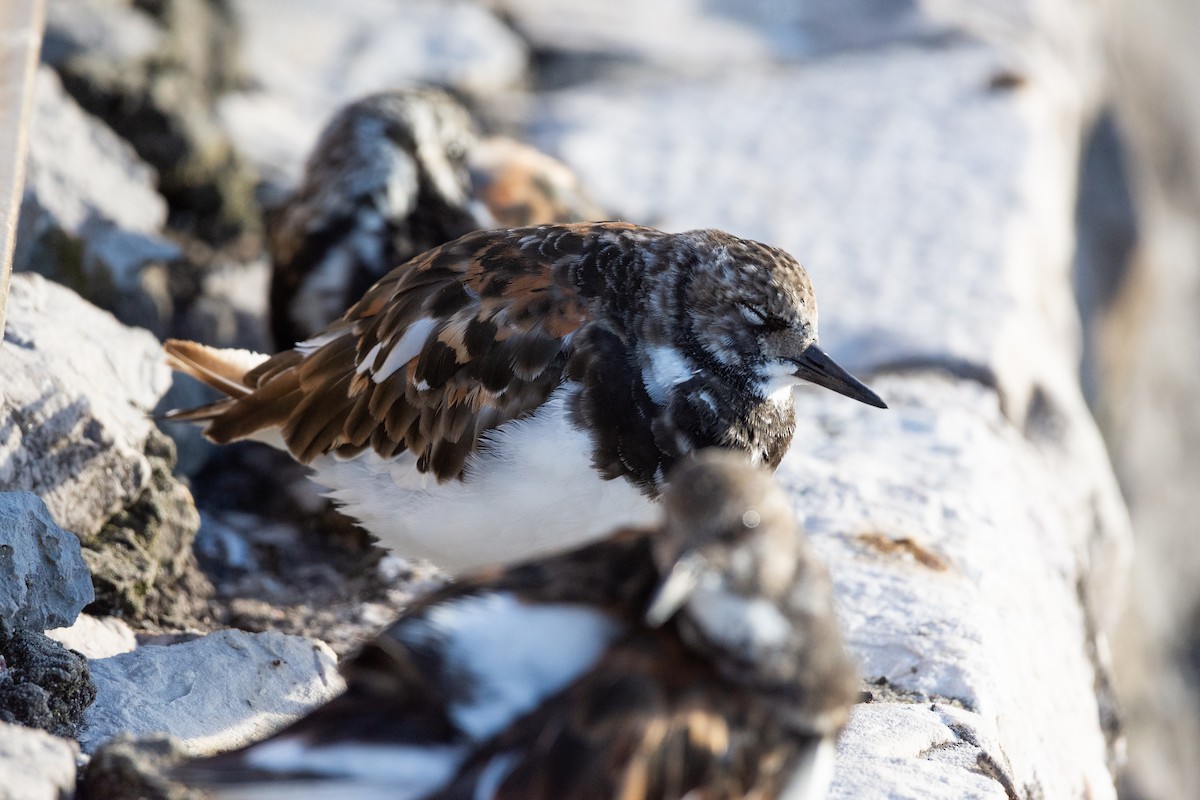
{"x":96,"y":637}
{"x":75,"y":404}
{"x":212,"y":693}
{"x":958,"y":562}
{"x":975,"y":532}
{"x":35,"y":765}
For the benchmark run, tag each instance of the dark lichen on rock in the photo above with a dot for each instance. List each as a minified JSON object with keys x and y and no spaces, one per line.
{"x":43,"y":684}
{"x":142,"y":563}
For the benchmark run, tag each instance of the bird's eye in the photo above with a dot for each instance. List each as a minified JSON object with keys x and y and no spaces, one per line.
{"x":455,"y":151}
{"x":754,"y":315}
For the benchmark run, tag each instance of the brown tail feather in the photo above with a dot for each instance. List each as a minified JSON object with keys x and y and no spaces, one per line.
{"x":223,"y":370}
{"x":204,"y":413}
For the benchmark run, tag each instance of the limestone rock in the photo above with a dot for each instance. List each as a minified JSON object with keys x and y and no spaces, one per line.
{"x":75,"y":429}
{"x":91,"y":215}
{"x":96,"y":637}
{"x":705,"y":38}
{"x":152,"y":71}
{"x":907,"y":179}
{"x":74,"y":416}
{"x":905,"y":751}
{"x":959,"y":561}
{"x":132,"y":768}
{"x":44,"y":582}
{"x":213,"y":693}
{"x":308,"y":62}
{"x":141,"y":560}
{"x":35,"y":765}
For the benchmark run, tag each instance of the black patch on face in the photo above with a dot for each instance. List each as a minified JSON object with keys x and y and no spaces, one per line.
{"x":633,"y":436}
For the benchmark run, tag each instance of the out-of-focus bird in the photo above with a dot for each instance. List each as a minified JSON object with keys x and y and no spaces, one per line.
{"x":391,"y":176}
{"x":521,"y":391}
{"x":697,"y":659}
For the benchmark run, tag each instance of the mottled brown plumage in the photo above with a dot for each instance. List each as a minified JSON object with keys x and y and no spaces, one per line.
{"x":392,"y":175}
{"x":595,"y":674}
{"x":510,"y":370}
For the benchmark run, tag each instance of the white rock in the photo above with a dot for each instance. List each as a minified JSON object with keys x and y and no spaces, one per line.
{"x":35,"y":765}
{"x":44,"y":581}
{"x":711,"y":36}
{"x":96,"y":637}
{"x":974,"y":531}
{"x":118,"y":30}
{"x":213,"y":693}
{"x":91,"y":213}
{"x":912,"y":752}
{"x":932,"y":211}
{"x":959,"y":558}
{"x":308,"y":62}
{"x":82,"y":172}
{"x":74,"y":414}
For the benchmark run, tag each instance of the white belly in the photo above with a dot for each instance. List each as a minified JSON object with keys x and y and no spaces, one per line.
{"x":534,"y":491}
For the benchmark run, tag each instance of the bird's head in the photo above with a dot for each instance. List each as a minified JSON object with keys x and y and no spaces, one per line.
{"x":745,"y":588}
{"x":729,"y":531}
{"x":415,"y":139}
{"x":750,"y":305}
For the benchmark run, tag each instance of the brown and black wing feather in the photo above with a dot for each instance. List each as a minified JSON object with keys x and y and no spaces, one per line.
{"x":398,"y":694}
{"x":455,"y":342}
{"x":649,"y":721}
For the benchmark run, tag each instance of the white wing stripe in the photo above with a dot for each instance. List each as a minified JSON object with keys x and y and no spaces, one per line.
{"x":405,"y":350}
{"x":512,"y":654}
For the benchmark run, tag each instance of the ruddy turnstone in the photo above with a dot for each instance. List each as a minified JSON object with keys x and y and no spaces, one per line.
{"x":521,"y":391}
{"x":393,"y":175}
{"x":699,"y":659}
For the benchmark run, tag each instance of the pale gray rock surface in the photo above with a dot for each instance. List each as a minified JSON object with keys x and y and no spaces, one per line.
{"x":96,"y":637}
{"x":44,"y":582}
{"x":35,"y":765}
{"x":77,"y":396}
{"x":308,"y":62}
{"x":958,"y":561}
{"x":76,"y":430}
{"x":151,"y":71}
{"x":899,"y":177}
{"x":213,"y":693}
{"x":975,"y":532}
{"x":1147,"y":347}
{"x":906,"y":751}
{"x":707,"y":37}
{"x":82,"y":172}
{"x":91,"y":214}
{"x":75,"y":409}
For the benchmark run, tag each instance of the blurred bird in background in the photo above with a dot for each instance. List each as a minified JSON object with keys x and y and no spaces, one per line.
{"x":392,"y":175}
{"x":700,"y":658}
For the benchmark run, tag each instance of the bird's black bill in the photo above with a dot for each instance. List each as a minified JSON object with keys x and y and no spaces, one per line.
{"x":816,"y":367}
